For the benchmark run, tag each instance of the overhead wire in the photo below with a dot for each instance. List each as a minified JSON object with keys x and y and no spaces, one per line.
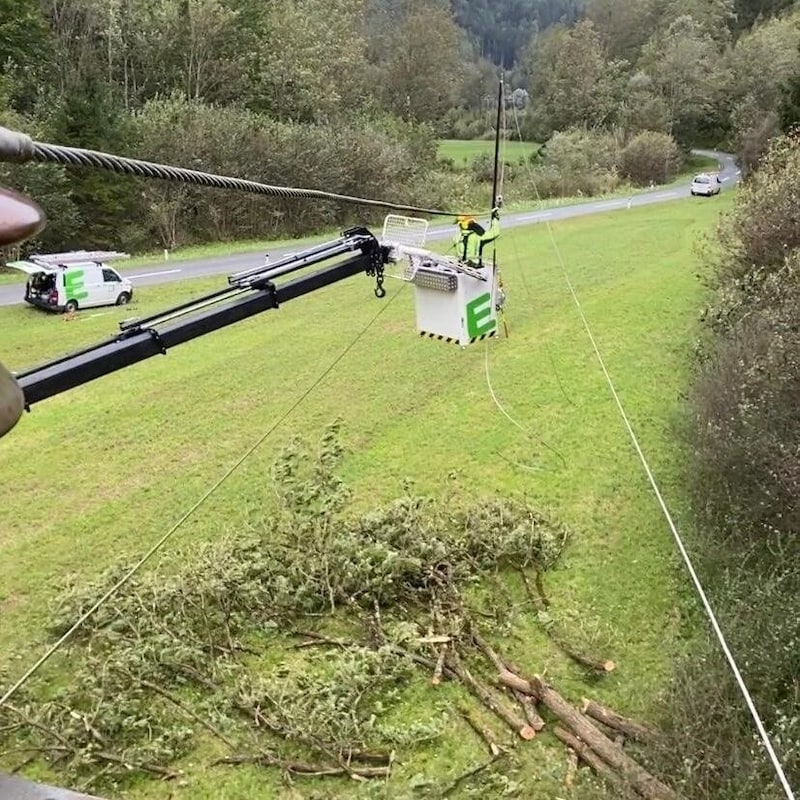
{"x":698,"y":586}
{"x":18,"y":147}
{"x":155,"y":548}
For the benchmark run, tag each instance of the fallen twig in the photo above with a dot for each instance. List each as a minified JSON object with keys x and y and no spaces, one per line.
{"x":302,"y":768}
{"x":155,"y":769}
{"x":188,"y":711}
{"x":469,"y":774}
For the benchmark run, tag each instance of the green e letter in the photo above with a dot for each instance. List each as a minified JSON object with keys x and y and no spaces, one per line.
{"x":479,"y":316}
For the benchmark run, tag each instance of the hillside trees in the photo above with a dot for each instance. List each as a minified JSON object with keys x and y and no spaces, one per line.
{"x":423,"y":72}
{"x":572,"y":81}
{"x":686,"y":70}
{"x":78,"y":71}
{"x":502,"y":29}
{"x":690,"y":68}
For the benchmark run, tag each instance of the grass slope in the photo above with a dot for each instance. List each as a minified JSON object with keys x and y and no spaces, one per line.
{"x":102,"y":471}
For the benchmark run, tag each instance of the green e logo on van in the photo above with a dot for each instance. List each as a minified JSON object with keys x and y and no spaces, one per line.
{"x":479,"y":316}
{"x":74,"y":286}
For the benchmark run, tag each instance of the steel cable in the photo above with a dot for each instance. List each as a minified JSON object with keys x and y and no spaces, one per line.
{"x":17,"y":147}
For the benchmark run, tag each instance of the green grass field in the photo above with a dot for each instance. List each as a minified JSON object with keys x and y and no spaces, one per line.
{"x":101,"y":472}
{"x":463,"y":151}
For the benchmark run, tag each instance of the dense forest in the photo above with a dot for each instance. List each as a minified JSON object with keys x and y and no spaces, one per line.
{"x":351,"y":96}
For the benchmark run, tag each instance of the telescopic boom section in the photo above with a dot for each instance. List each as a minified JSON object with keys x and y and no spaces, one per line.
{"x":250,"y":293}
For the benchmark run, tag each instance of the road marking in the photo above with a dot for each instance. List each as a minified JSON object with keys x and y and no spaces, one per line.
{"x":151,"y":274}
{"x":724,"y":179}
{"x":535,"y":217}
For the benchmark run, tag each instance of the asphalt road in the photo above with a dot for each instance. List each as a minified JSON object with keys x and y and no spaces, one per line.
{"x":166,"y":272}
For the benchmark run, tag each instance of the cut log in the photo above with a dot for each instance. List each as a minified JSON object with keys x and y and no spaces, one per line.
{"x":493,"y":703}
{"x":527,"y":702}
{"x":589,"y":757}
{"x":609,"y":717}
{"x":529,"y":707}
{"x":635,"y":775}
{"x":513,"y":681}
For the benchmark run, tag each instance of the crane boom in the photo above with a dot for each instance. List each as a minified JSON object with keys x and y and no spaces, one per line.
{"x":248,"y":294}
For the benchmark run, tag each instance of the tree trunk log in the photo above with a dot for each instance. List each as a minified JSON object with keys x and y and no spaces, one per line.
{"x":529,"y":707}
{"x":588,"y":756}
{"x":513,"y":681}
{"x":493,"y":703}
{"x":641,"y":780}
{"x":609,"y":717}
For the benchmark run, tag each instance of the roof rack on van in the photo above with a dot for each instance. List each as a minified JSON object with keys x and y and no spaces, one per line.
{"x":77,"y":257}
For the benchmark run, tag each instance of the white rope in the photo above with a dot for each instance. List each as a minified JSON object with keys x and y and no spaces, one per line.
{"x":765,"y":738}
{"x":56,"y":646}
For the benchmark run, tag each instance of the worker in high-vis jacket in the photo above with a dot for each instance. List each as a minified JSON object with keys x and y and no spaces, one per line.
{"x":472,"y":237}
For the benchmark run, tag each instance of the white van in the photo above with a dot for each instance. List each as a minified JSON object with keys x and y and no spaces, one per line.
{"x":79,"y":279}
{"x":706,"y":184}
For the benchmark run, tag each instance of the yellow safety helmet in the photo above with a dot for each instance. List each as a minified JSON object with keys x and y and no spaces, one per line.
{"x":464,"y":222}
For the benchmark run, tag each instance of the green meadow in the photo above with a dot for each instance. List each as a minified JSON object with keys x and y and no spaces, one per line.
{"x":98,"y":474}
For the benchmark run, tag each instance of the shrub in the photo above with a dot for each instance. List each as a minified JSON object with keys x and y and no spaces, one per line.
{"x":765,"y":224}
{"x":743,"y":482}
{"x":578,"y":162}
{"x":650,"y":157}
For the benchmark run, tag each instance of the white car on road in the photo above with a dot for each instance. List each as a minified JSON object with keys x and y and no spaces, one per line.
{"x":705,"y":184}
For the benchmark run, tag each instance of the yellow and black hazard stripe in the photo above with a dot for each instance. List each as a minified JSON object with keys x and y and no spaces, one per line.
{"x":485,"y":336}
{"x":451,"y":340}
{"x":439,"y":337}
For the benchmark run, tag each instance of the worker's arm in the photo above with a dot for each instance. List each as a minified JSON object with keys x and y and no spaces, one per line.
{"x":493,"y":232}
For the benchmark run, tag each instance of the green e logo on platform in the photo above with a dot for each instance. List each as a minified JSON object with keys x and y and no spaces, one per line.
{"x":479,"y":316}
{"x":74,"y":286}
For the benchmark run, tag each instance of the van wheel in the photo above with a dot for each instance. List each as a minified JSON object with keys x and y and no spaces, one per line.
{"x":123,"y":299}
{"x":71,"y":307}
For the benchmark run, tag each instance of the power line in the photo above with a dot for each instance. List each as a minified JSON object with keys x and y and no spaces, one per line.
{"x":171,"y":532}
{"x":762,"y":732}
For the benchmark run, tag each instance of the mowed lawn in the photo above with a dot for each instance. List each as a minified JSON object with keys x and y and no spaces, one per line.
{"x":464,"y":151}
{"x":101,"y":472}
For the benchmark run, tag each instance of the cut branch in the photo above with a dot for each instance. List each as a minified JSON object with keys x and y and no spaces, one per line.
{"x":540,"y":603}
{"x":529,"y":707}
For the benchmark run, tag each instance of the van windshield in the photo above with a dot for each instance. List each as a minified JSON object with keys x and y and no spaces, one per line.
{"x":701,"y":179}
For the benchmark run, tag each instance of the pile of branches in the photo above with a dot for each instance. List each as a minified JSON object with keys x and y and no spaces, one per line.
{"x":356,"y":604}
